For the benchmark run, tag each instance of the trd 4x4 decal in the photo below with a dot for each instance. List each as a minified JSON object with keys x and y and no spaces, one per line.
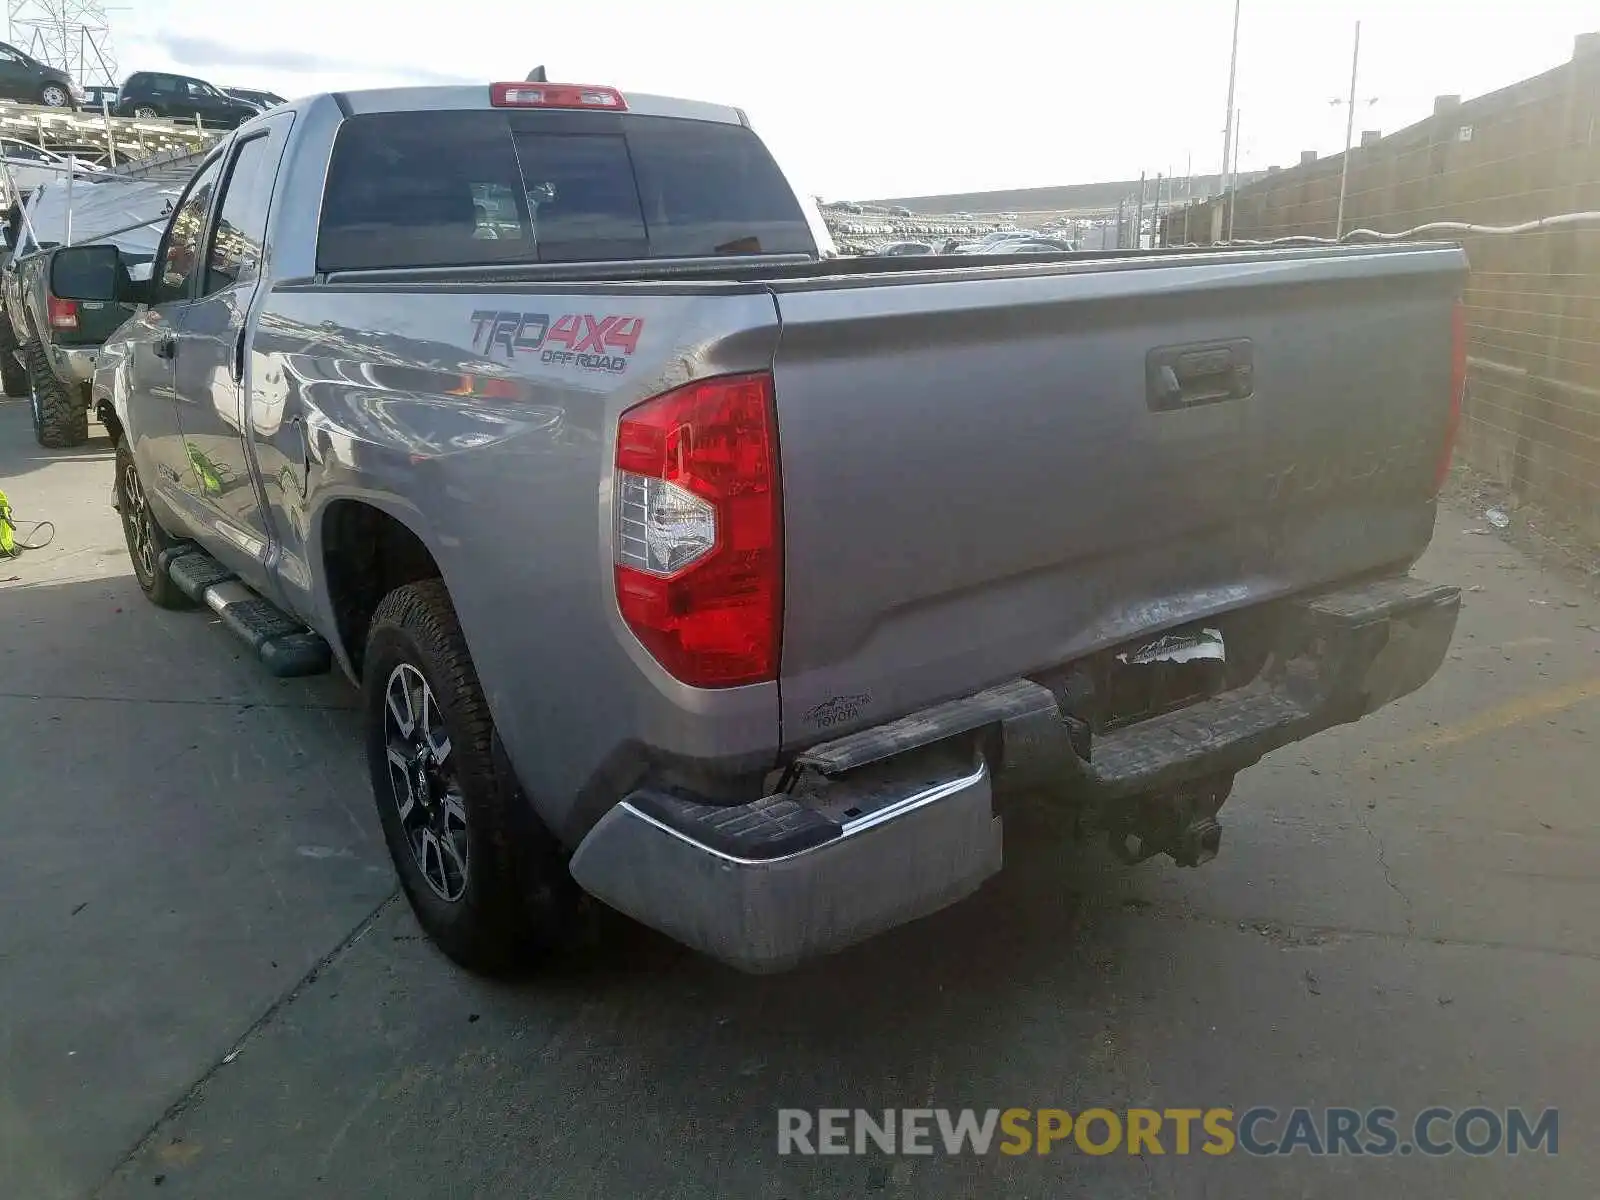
{"x":580,"y":340}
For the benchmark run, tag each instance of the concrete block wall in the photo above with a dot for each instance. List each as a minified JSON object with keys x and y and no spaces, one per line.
{"x":1532,"y":150}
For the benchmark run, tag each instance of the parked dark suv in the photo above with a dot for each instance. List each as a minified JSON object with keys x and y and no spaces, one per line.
{"x":263,"y":100}
{"x":25,"y":78}
{"x":181,"y":97}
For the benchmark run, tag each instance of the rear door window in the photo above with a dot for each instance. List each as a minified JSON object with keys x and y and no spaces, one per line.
{"x":474,"y":188}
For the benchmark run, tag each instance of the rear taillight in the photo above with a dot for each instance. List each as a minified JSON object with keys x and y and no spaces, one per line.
{"x":698,"y":530}
{"x":1458,"y":392}
{"x":556,"y":95}
{"x":63,"y":314}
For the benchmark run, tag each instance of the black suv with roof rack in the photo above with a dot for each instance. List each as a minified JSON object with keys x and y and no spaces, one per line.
{"x":181,"y":97}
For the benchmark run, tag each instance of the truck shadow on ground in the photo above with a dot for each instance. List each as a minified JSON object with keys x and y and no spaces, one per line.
{"x":977,"y":1005}
{"x":1014,"y":997}
{"x":20,"y":454}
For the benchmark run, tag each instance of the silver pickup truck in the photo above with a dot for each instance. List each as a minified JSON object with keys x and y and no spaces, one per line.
{"x":684,"y":567}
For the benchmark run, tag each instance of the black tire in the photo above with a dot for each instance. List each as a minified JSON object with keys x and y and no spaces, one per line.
{"x":60,"y":415}
{"x":145,"y":111}
{"x":516,"y":900}
{"x":138,"y":524}
{"x":55,"y":95}
{"x":13,"y":375}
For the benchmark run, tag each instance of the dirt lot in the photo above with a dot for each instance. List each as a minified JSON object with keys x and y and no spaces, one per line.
{"x":207,"y":988}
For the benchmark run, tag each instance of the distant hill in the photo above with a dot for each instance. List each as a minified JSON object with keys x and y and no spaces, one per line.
{"x":1076,"y":197}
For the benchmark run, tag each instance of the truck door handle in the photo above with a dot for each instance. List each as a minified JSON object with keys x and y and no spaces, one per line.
{"x":165,"y":346}
{"x":305,"y":454}
{"x":1179,"y":377}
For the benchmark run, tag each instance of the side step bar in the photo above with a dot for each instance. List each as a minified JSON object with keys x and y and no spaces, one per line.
{"x":284,"y":646}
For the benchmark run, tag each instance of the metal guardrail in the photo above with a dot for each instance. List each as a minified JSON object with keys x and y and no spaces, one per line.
{"x":168,"y":166}
{"x":118,"y":139}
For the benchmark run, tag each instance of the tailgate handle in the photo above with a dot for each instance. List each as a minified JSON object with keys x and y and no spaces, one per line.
{"x":1200,"y":373}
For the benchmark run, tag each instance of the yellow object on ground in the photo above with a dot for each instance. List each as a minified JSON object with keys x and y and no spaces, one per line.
{"x":8,"y":527}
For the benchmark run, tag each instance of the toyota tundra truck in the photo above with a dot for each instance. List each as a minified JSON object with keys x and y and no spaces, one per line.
{"x":686,"y":568}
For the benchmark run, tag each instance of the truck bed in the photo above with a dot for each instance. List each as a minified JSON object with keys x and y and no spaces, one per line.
{"x":868,"y":270}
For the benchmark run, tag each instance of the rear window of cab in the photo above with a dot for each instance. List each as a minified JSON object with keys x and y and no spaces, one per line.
{"x":438,"y":189}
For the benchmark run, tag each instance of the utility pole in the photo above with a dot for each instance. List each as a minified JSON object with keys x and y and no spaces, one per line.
{"x":1188,"y":195}
{"x":1349,"y":134}
{"x":1233,"y":77}
{"x":1233,"y":172}
{"x":1138,"y":219}
{"x":1155,"y":216}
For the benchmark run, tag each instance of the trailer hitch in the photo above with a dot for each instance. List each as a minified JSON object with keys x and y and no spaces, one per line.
{"x":1181,"y":823}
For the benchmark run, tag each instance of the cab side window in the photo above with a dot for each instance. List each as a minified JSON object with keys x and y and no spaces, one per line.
{"x":235,"y":253}
{"x":180,"y":261}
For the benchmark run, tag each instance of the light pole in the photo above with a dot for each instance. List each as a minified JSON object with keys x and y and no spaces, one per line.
{"x":1349,"y":134}
{"x":1138,"y":217}
{"x":1238,"y":119}
{"x":1233,"y":78}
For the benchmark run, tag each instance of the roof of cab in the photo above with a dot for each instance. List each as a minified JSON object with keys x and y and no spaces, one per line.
{"x":420,"y":99}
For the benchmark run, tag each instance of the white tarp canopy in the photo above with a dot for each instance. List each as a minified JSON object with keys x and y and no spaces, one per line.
{"x":103,"y":206}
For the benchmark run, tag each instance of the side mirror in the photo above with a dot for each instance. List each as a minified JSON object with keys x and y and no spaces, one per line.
{"x":90,"y":273}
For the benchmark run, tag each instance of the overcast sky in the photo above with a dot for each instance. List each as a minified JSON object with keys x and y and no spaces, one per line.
{"x":865,"y":98}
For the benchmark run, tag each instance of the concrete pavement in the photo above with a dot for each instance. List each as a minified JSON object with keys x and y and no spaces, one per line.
{"x":205,"y":988}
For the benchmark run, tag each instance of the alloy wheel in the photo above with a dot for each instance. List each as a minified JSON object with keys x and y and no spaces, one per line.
{"x":136,"y":525}
{"x":422,"y":779}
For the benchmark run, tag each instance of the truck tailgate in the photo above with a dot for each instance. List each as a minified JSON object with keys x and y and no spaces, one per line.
{"x":989,"y":475}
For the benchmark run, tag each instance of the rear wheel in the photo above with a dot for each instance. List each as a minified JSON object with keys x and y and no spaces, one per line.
{"x":144,"y":110}
{"x":60,"y":414}
{"x":55,"y":95}
{"x":484,"y":879}
{"x":144,"y":535}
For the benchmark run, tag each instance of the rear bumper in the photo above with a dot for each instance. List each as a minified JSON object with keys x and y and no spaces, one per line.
{"x":752,"y":900}
{"x":72,"y":364}
{"x":892,"y":823}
